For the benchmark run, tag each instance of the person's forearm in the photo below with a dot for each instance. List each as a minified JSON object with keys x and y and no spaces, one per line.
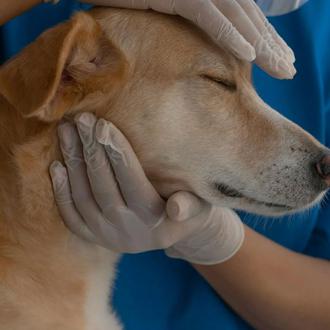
{"x":12,"y":8}
{"x":273,"y":288}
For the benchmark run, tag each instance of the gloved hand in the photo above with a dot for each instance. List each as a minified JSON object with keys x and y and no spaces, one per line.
{"x":237,"y":25}
{"x":104,"y":197}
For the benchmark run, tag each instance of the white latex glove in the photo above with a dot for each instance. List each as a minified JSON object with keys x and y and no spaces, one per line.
{"x":104,"y":197}
{"x":237,"y":25}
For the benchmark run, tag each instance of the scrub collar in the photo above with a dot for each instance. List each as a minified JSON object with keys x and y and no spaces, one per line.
{"x":279,"y":7}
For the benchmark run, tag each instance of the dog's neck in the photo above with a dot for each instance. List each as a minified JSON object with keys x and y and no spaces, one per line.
{"x":10,"y":126}
{"x":27,"y":148}
{"x":16,"y":129}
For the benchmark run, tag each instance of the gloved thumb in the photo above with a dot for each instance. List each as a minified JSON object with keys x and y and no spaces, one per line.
{"x":183,"y":206}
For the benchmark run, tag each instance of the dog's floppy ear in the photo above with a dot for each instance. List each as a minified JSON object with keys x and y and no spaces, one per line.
{"x":61,"y":69}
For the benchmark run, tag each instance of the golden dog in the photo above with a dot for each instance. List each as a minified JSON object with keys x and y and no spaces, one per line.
{"x":193,"y":118}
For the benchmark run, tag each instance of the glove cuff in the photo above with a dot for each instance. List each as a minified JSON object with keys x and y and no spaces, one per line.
{"x":210,"y":250}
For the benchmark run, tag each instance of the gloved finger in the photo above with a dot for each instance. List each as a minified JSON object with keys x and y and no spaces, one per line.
{"x":77,"y":173}
{"x":280,"y":41}
{"x":274,"y":65}
{"x":273,"y":54}
{"x":101,"y":177}
{"x":239,"y":18}
{"x":271,"y":58}
{"x":194,"y":219}
{"x":232,"y":23}
{"x":210,"y":19}
{"x":187,"y":215}
{"x":287,"y":50}
{"x":266,"y":30}
{"x":138,"y":192}
{"x":64,"y":201}
{"x":182,"y":206}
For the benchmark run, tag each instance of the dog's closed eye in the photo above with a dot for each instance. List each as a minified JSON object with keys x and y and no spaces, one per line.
{"x":225,"y":83}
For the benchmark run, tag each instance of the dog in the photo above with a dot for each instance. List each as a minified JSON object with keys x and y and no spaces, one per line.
{"x":194,"y":119}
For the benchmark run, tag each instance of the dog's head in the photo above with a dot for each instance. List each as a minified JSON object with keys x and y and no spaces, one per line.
{"x":188,"y":108}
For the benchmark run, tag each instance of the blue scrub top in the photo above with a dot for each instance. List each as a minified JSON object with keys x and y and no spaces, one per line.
{"x":153,"y":292}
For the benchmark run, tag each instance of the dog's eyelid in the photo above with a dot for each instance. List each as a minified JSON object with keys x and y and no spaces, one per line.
{"x":228,"y":84}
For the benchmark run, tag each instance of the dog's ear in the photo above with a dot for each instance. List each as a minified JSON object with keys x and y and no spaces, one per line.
{"x":61,"y":69}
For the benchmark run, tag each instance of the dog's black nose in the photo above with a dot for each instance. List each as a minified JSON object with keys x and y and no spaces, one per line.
{"x":323,"y":169}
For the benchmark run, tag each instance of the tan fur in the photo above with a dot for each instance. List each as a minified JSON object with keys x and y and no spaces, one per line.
{"x":142,"y":71}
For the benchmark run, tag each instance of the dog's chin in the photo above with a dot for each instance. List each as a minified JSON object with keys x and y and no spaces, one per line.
{"x":229,"y":197}
{"x":276,"y":211}
{"x":255,"y":207}
{"x":259,"y":208}
{"x":264,"y":210}
{"x":224,"y":196}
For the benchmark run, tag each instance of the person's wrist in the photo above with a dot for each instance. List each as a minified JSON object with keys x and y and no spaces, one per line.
{"x":222,"y":240}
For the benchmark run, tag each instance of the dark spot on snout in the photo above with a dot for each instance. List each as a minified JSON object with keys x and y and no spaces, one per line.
{"x":293,"y":149}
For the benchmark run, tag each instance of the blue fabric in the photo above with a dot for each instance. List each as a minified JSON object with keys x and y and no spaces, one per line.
{"x":155,"y":293}
{"x":22,"y":30}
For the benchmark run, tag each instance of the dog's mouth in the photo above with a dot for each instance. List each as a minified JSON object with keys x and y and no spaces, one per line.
{"x":233,"y":193}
